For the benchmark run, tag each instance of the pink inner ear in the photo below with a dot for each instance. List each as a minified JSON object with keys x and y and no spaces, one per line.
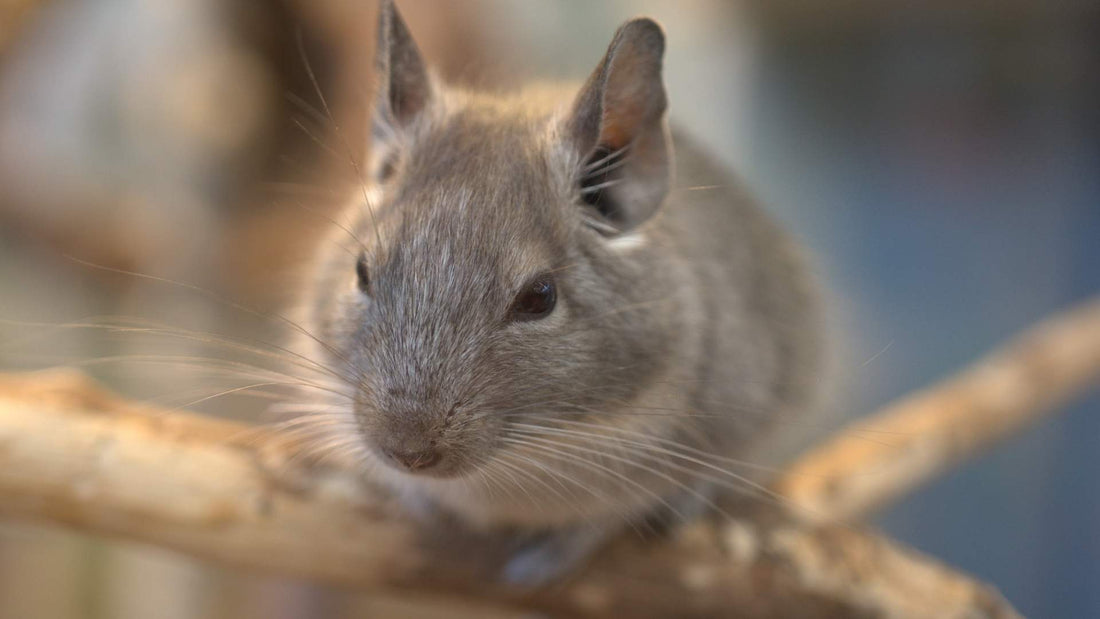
{"x":619,"y":126}
{"x":623,"y":116}
{"x":633,"y":96}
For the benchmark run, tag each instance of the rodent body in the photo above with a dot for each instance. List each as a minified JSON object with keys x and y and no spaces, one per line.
{"x":544,"y":317}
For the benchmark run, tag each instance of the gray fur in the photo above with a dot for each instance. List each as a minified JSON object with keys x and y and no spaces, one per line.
{"x":692,"y":326}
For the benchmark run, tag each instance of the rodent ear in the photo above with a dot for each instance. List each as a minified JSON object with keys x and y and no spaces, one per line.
{"x":404,"y":86}
{"x":618,"y":126}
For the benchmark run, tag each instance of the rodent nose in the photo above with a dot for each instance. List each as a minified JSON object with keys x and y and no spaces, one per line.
{"x":414,"y":460}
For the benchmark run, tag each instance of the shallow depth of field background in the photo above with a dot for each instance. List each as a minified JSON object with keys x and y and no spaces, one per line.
{"x":941,"y":158}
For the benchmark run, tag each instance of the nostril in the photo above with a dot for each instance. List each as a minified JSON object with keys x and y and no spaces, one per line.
{"x":414,"y":460}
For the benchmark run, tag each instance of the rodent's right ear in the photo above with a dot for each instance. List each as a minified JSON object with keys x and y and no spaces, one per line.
{"x":403,"y":85}
{"x":617,"y":124}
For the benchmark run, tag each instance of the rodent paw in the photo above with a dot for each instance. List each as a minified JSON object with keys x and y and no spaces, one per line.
{"x":549,"y":557}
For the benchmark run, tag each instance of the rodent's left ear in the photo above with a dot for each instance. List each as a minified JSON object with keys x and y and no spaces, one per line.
{"x":617,"y":124}
{"x":404,"y":87}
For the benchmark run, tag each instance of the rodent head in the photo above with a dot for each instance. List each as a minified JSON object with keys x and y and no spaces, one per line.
{"x":503,"y":264}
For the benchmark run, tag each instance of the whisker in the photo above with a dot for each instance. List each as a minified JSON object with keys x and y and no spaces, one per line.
{"x":601,"y":226}
{"x":341,"y":226}
{"x":536,"y":441}
{"x":240,"y":344}
{"x":597,"y":172}
{"x":560,"y":477}
{"x":608,"y":157}
{"x":336,"y":128}
{"x":648,"y":469}
{"x":759,"y":489}
{"x":316,"y":139}
{"x":516,"y":483}
{"x":234,"y":368}
{"x":600,"y":186}
{"x":305,"y":107}
{"x":217,"y":298}
{"x":700,"y":188}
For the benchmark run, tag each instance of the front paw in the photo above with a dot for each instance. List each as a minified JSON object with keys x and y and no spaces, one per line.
{"x":550,"y":556}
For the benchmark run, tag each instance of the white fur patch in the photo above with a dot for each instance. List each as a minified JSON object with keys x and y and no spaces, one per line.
{"x":627,"y":242}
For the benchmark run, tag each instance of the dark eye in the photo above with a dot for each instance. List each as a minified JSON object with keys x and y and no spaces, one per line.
{"x":363,"y":274}
{"x":536,"y":300}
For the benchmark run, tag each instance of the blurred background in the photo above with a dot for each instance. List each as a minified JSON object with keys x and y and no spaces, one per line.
{"x":941,"y":158}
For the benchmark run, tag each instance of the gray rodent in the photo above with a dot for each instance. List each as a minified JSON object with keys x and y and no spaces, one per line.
{"x":537,"y":329}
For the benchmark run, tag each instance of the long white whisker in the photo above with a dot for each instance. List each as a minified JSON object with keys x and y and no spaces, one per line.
{"x":601,"y":186}
{"x":539,"y":442}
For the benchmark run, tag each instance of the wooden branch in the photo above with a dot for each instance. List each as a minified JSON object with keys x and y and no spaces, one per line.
{"x":885,"y":456}
{"x":74,"y":455}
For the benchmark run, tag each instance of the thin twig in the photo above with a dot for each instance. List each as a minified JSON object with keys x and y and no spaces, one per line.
{"x":934,"y":429}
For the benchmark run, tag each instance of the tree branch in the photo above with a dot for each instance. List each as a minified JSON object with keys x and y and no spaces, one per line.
{"x":72,"y":454}
{"x":881,"y":458}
